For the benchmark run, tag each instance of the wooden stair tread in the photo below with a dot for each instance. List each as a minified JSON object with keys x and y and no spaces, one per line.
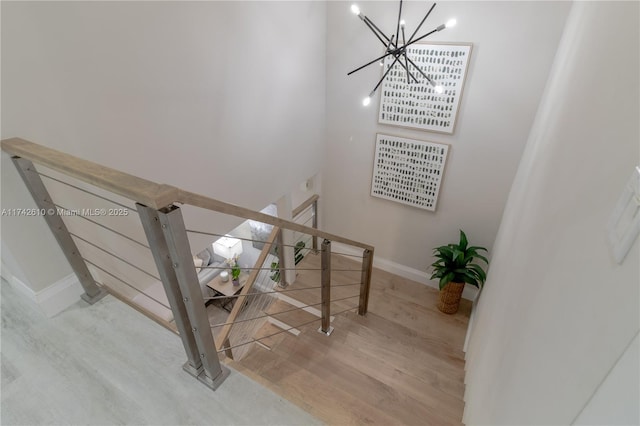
{"x":284,"y":312}
{"x":400,"y":364}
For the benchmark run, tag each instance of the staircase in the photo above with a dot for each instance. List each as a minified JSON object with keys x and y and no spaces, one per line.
{"x":402,"y":363}
{"x":385,"y":354}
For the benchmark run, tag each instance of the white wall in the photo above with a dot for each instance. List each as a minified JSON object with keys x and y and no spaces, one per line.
{"x":513,"y":48}
{"x":557,"y":312}
{"x":615,"y":401}
{"x":29,"y":250}
{"x":221,"y":98}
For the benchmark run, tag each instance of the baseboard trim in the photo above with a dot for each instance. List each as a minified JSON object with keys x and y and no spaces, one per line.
{"x":53,"y":299}
{"x":400,"y":270}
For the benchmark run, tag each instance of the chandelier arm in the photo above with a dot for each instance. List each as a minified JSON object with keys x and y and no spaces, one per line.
{"x":388,"y":40}
{"x":398,"y":56}
{"x":406,"y":61}
{"x":367,"y":22}
{"x":395,"y":51}
{"x":399,"y":19}
{"x":409,"y":43}
{"x":387,"y":46}
{"x":419,"y":70}
{"x":421,"y":22}
{"x":389,"y":52}
{"x":370,"y":23}
{"x":384,"y":75}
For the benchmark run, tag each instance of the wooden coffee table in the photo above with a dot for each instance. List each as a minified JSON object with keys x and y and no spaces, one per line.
{"x":227,"y":289}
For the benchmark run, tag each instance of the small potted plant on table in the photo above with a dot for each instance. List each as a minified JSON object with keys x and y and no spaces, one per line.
{"x":235,"y":270}
{"x":454,"y":268}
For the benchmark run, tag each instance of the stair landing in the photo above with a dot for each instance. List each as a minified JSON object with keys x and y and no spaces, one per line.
{"x":400,"y":364}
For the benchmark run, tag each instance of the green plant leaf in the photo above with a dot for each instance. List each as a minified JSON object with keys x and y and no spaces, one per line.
{"x":446,"y":278}
{"x":479,"y":271}
{"x":458,"y":256}
{"x":463,"y":241}
{"x":478,"y":256}
{"x":445,"y":252}
{"x":442,"y":283}
{"x":470,"y":279}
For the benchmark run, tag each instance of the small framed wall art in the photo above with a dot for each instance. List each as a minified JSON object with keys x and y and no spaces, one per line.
{"x":408,"y":171}
{"x":418,"y":104}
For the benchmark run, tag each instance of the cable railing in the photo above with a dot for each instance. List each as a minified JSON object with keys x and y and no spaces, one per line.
{"x":306,"y":214}
{"x":111,"y":255}
{"x":101,"y":260}
{"x":250,"y":313}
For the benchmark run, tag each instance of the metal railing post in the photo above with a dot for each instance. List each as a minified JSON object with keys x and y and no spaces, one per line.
{"x":365,"y":281}
{"x":314,"y":224}
{"x":281,"y":260}
{"x":31,"y":178}
{"x":175,"y":235}
{"x":326,"y":288}
{"x":158,"y":244}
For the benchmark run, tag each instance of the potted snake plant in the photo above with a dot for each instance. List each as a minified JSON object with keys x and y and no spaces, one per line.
{"x":454,"y":268}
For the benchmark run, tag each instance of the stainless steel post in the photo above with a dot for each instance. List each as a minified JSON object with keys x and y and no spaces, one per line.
{"x":315,"y":224}
{"x":326,"y":288}
{"x":281,"y":259}
{"x":365,"y":281}
{"x":153,"y":230}
{"x":175,"y":234}
{"x":28,"y":173}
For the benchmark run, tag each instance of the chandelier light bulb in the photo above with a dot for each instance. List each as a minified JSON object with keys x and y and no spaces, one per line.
{"x":451,"y":23}
{"x":355,"y":9}
{"x":366,"y":101}
{"x":438,"y":89}
{"x":402,"y":23}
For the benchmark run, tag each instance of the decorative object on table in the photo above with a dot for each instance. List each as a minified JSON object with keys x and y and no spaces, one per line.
{"x":408,"y":171}
{"x":398,"y":52}
{"x":416,"y":105}
{"x":228,"y":247}
{"x":224,"y":276}
{"x":454,"y":268}
{"x":235,"y":271}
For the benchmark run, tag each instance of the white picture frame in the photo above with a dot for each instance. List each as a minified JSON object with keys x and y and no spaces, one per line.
{"x":417,"y":105}
{"x":408,"y":171}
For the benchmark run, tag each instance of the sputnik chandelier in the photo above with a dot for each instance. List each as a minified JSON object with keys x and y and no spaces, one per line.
{"x":398,"y":50}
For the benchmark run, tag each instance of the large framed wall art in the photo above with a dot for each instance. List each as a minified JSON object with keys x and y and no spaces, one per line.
{"x":408,"y":171}
{"x":418,"y":105}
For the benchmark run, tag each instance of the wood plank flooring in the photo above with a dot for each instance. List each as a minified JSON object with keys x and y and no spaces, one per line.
{"x":400,"y":364}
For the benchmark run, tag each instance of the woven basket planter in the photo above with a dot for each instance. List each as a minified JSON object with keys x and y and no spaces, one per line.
{"x":450,"y":297}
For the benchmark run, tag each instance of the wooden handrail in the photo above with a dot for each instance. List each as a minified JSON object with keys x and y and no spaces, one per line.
{"x":147,"y":192}
{"x":132,"y":187}
{"x":204,"y":202}
{"x":224,"y":334}
{"x":304,"y":205}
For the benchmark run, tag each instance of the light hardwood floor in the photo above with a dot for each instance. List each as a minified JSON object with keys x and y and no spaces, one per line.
{"x":400,"y":364}
{"x":106,"y":364}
